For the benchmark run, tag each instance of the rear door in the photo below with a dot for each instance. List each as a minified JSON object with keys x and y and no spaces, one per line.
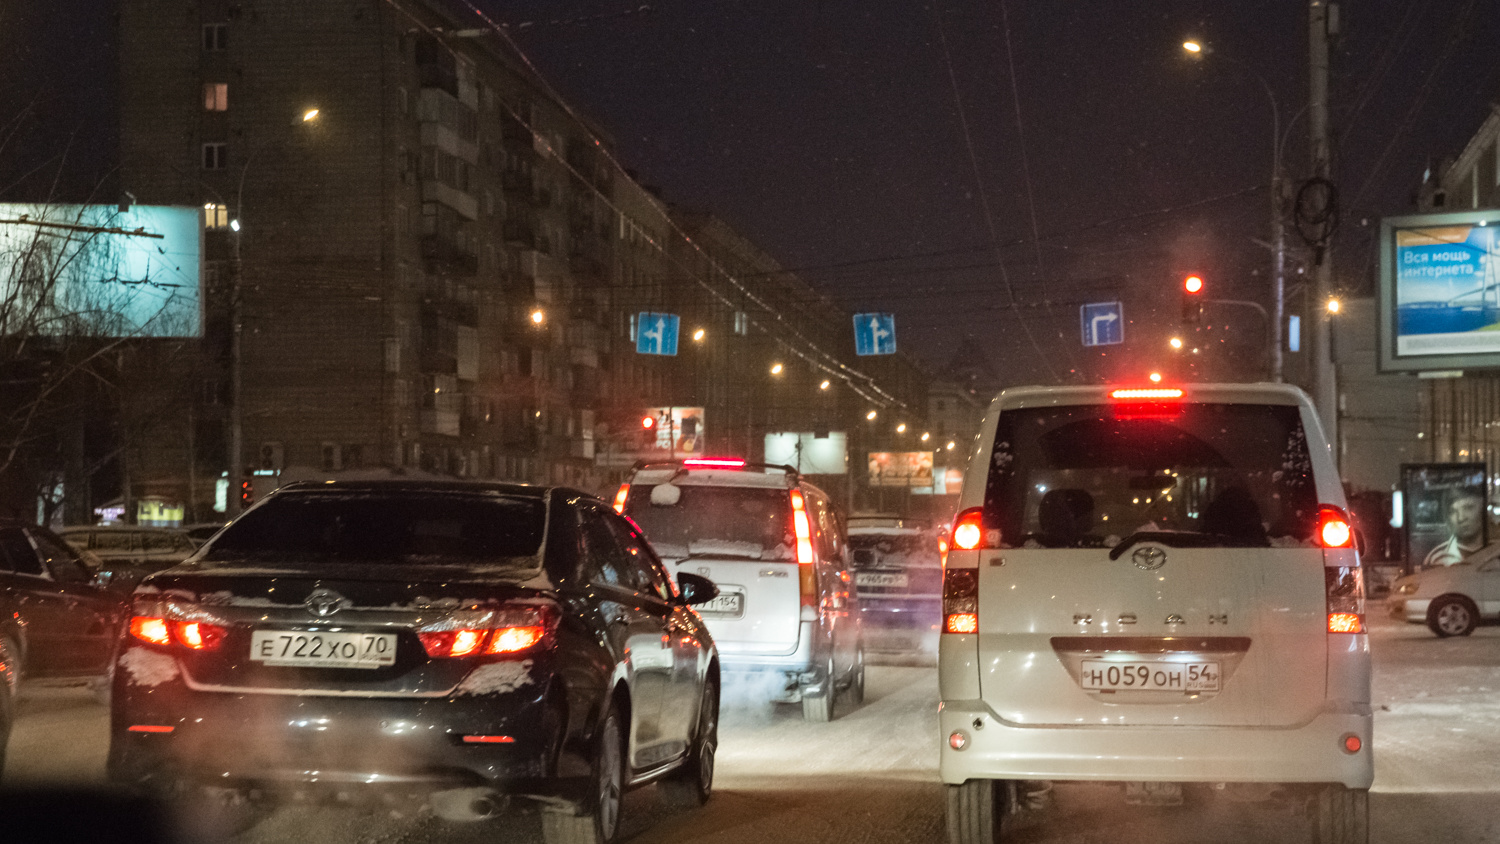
{"x":1152,"y":569}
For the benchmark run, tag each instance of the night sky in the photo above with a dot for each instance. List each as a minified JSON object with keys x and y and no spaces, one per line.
{"x":946,"y":160}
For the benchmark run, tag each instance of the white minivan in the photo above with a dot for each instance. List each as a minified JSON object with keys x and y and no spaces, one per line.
{"x":1157,"y":588}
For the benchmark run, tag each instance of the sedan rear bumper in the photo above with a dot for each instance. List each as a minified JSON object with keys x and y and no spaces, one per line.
{"x":1311,"y":753}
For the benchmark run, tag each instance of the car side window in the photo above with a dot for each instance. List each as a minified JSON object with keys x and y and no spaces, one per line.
{"x":61,"y":561}
{"x":603,"y":561}
{"x":826,"y":528}
{"x":16,"y":553}
{"x":651,"y":577}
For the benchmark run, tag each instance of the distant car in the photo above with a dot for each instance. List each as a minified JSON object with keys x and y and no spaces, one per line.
{"x":787,"y":615}
{"x":201,"y":533}
{"x":898,"y":574}
{"x":1451,"y":600}
{"x":130,"y":553}
{"x":58,"y":622}
{"x":464,"y":643}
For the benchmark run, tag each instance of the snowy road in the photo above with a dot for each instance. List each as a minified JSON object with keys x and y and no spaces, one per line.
{"x":870,"y":776}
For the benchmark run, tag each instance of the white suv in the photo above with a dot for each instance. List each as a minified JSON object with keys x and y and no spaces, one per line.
{"x":1154,"y":587}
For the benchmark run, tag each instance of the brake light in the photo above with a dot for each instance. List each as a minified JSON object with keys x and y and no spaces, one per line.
{"x":1147,"y":403}
{"x":968,"y":530}
{"x":1344,"y":587}
{"x":960,"y":600}
{"x":162,"y":632}
{"x":492,"y":633}
{"x":807,"y":576}
{"x":713,"y":463}
{"x":1150,"y":394}
{"x":152,"y":631}
{"x":620,"y":497}
{"x":488,"y":740}
{"x":1334,"y":530}
{"x":149,"y":728}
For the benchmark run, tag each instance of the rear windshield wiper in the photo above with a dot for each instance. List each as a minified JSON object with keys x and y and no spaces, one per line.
{"x":1186,"y":539}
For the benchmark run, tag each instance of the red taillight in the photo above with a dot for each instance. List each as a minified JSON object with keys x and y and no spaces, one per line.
{"x":960,"y":600}
{"x":507,"y":631}
{"x":1344,"y":587}
{"x":620,"y":497}
{"x":1345,"y":622}
{"x":807,"y":576}
{"x":968,"y":530}
{"x":1151,"y":394}
{"x":149,"y":728}
{"x":1334,"y":530}
{"x":1147,"y":402}
{"x":193,"y":635}
{"x":488,"y":740}
{"x":153,"y":631}
{"x":1352,"y":743}
{"x":713,"y":463}
{"x":511,"y":639}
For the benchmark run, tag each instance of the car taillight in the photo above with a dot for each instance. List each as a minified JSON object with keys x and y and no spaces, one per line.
{"x":968,"y":530}
{"x":713,"y":463}
{"x":1345,"y":590}
{"x":807,"y":578}
{"x":164,"y":632}
{"x":1334,"y":530}
{"x":960,"y":600}
{"x":1147,"y":402}
{"x":492,"y":633}
{"x":620,"y":497}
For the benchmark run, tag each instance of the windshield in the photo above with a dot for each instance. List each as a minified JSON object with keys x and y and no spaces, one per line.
{"x":1236,"y":474}
{"x":383,"y":527}
{"x":750,"y":522}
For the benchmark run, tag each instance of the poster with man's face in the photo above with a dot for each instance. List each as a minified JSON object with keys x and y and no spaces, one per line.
{"x":1446,"y":512}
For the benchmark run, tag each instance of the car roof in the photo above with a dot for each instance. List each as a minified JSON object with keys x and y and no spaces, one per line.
{"x":1250,"y":393}
{"x":475,"y":487}
{"x":116,"y":529}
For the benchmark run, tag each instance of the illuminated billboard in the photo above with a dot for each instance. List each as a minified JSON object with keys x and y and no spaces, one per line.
{"x":94,"y":270}
{"x":901,"y":468}
{"x":811,"y":453}
{"x":1440,"y":291}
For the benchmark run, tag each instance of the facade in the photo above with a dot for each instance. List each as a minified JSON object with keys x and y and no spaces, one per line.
{"x":420,"y":261}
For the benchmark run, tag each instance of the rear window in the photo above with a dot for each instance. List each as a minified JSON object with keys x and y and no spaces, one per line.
{"x":904,"y":549}
{"x":382,"y":527}
{"x":753,"y":523}
{"x":1236,"y":475}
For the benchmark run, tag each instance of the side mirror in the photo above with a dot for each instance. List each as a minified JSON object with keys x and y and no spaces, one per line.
{"x":696,"y":589}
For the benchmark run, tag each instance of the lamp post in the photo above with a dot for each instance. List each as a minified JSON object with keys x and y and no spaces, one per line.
{"x":236,"y":456}
{"x":1278,"y":237}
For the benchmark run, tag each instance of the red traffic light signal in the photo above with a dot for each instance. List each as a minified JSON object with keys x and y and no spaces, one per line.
{"x":1192,"y":284}
{"x":1192,"y":301}
{"x":648,"y":422}
{"x":247,"y":493}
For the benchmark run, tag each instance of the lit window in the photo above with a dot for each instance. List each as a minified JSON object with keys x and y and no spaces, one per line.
{"x":215,"y":96}
{"x":215,"y":156}
{"x":215,"y":37}
{"x":741,"y":323}
{"x":215,"y":216}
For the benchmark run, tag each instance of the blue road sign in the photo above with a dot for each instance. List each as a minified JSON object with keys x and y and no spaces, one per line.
{"x":1103,"y":323}
{"x":874,"y":334}
{"x":656,"y":334}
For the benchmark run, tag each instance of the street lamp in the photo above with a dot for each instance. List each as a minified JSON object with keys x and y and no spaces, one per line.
{"x":776,"y":369}
{"x":236,"y":324}
{"x":1278,"y":240}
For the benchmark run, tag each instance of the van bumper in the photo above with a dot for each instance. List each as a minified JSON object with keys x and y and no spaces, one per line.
{"x":1310,"y":753}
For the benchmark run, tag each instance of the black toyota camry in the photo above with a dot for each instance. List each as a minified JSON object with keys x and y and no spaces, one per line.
{"x":465,"y":642}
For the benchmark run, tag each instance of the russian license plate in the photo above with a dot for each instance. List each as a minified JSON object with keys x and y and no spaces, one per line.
{"x":727,"y":603}
{"x":323,"y":650}
{"x":1109,"y":676}
{"x":875,"y":578}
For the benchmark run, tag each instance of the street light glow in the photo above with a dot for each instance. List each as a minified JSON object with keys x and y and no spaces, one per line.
{"x":538,"y":316}
{"x":926,"y":436}
{"x":952,"y":445}
{"x":1175,"y":342}
{"x":901,"y":429}
{"x":1333,"y":306}
{"x":1156,"y":377}
{"x":870,"y":416}
{"x":310,"y":115}
{"x":1192,"y":46}
{"x":776,"y":369}
{"x":699,"y":335}
{"x":825,"y":385}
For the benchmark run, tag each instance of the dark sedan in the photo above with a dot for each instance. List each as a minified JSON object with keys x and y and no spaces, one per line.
{"x":467,"y":642}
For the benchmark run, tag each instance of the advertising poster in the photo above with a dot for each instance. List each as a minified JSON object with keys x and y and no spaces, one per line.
{"x":1440,"y":291}
{"x":901,"y":468}
{"x":1446,"y":512}
{"x":679,"y":430}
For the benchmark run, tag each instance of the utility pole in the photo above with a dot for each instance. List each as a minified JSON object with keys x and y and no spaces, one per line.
{"x":1322,"y":16}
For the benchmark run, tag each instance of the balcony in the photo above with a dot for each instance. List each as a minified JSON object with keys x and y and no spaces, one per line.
{"x":444,"y":255}
{"x":519,"y":233}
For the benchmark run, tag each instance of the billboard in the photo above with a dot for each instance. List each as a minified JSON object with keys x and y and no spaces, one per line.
{"x":679,"y":430}
{"x":1446,"y":512}
{"x":901,"y":468}
{"x":819,"y":453}
{"x":1440,"y":291}
{"x":94,"y":270}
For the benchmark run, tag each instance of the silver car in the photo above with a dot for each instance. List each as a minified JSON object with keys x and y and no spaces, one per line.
{"x":1451,"y":600}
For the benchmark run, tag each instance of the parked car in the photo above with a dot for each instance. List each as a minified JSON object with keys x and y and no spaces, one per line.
{"x":1160,"y":588}
{"x":128,"y":552}
{"x":60,"y":623}
{"x":899,"y":577}
{"x":470,"y":643}
{"x":786,"y":618}
{"x":10,"y":667}
{"x":201,"y":533}
{"x":1451,"y":600}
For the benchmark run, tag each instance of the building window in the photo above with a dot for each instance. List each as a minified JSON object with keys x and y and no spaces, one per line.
{"x":215,"y":37}
{"x":215,"y":156}
{"x":215,"y":96}
{"x":741,"y":323}
{"x":215,"y":217}
{"x":403,"y":99}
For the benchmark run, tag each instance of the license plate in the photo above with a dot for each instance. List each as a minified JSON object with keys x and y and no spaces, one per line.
{"x":727,"y":603}
{"x":1108,"y":676}
{"x":875,"y":578}
{"x":323,"y":650}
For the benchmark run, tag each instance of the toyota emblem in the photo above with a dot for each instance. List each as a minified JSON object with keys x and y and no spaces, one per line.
{"x":324,"y":602}
{"x":1149,"y":558}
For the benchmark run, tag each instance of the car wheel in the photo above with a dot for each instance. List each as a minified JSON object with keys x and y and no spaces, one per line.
{"x":857,"y":678}
{"x":819,"y":708}
{"x":691,"y":785}
{"x":1341,"y":816}
{"x":977,"y":811}
{"x":1452,"y":616}
{"x":597,"y":821}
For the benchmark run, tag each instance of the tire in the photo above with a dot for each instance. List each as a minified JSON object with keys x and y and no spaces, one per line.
{"x":977,"y":811}
{"x":856,"y":690}
{"x":1341,"y":816}
{"x":819,"y":708}
{"x":598,"y":819}
{"x":1452,"y":615}
{"x":691,"y":785}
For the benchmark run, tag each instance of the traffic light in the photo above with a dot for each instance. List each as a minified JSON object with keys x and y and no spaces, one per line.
{"x":648,"y":431}
{"x":1192,"y":299}
{"x":247,"y":493}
